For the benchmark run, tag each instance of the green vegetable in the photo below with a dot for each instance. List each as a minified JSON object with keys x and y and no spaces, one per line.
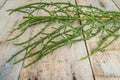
{"x":94,"y":21}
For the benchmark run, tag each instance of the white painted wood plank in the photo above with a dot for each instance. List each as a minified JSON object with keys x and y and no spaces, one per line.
{"x":2,"y":3}
{"x":8,"y":71}
{"x":106,"y":64}
{"x":63,"y":64}
{"x":117,"y":3}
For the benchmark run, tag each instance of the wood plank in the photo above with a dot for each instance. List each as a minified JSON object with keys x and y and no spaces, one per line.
{"x":8,"y":71}
{"x":2,"y":3}
{"x":117,"y":3}
{"x":63,"y":64}
{"x":105,"y":64}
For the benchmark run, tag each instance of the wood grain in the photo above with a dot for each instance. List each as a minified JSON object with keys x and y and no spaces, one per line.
{"x":117,"y":3}
{"x":105,"y":64}
{"x":63,"y":64}
{"x":2,"y":3}
{"x":8,"y":71}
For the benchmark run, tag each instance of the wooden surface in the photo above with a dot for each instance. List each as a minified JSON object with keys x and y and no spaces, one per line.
{"x":65,"y":63}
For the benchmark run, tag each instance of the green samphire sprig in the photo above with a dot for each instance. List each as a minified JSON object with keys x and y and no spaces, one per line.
{"x":94,"y":21}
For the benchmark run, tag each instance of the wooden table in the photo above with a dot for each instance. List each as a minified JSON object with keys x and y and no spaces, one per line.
{"x":65,"y":63}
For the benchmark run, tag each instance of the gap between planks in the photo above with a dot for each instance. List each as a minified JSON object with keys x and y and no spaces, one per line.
{"x":80,"y":22}
{"x":2,"y":3}
{"x":109,"y":69}
{"x":117,"y":3}
{"x":78,"y":76}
